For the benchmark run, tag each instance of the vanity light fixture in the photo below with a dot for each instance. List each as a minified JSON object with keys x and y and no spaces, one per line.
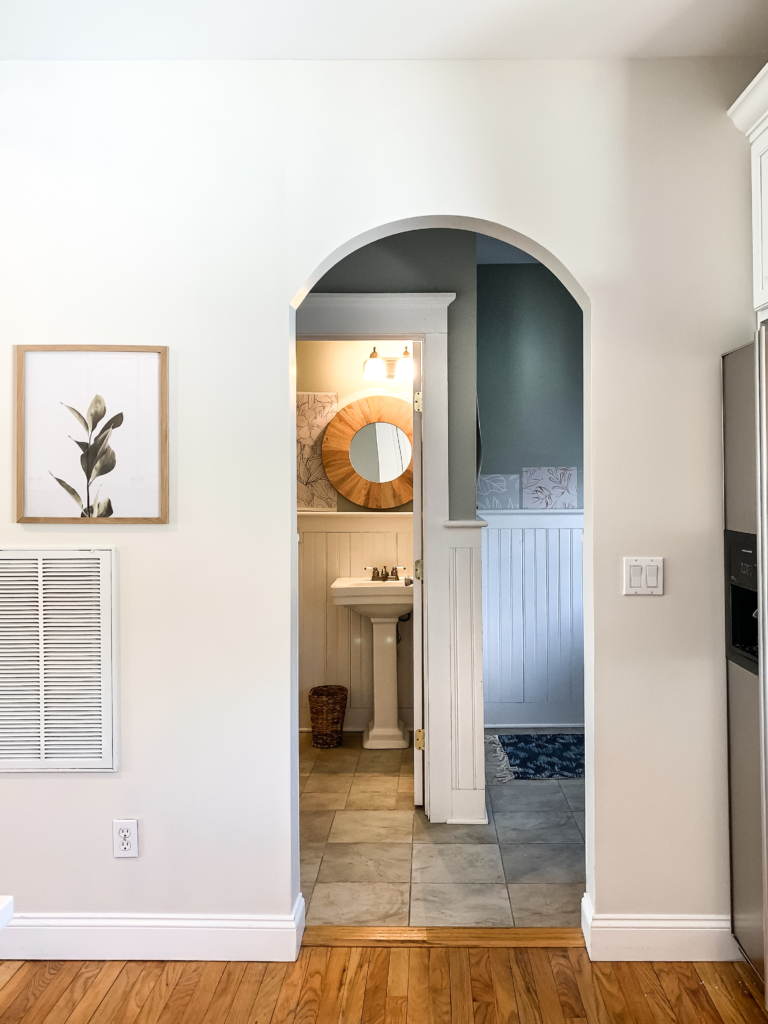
{"x":374,"y":368}
{"x":404,"y":368}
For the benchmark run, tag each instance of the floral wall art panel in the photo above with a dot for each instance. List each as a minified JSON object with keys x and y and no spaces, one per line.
{"x":550,"y":487}
{"x":92,"y":425}
{"x":314,"y":411}
{"x":498,"y":491}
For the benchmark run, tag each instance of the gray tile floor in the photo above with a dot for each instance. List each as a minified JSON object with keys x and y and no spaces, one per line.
{"x":369,"y":857}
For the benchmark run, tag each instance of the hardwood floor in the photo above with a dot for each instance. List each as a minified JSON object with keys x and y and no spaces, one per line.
{"x":373,"y":984}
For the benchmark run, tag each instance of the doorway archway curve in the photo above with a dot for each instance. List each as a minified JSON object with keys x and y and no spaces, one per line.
{"x":569,"y":281}
{"x":476,"y":224}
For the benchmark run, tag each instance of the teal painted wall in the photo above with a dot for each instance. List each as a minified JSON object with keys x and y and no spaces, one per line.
{"x":432,"y":260}
{"x":529,"y":370}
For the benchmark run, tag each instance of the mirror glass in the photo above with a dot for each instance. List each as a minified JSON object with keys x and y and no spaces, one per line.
{"x":380,"y":452}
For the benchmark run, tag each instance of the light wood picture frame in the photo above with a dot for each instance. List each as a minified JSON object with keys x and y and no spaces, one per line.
{"x":338,"y":465}
{"x":111,"y":403}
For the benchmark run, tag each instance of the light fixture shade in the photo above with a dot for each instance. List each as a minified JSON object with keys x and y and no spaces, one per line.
{"x":374,"y":367}
{"x":404,"y":368}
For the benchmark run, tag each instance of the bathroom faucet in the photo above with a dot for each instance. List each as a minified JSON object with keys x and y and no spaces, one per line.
{"x":375,"y":575}
{"x":393,"y":575}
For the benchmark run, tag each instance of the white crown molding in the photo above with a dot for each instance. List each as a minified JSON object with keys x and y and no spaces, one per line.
{"x":154,"y":936}
{"x":675,"y":937}
{"x":750,"y":111}
{"x":335,"y":314}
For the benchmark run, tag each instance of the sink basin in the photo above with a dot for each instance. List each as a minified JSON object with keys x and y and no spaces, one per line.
{"x":383,"y":603}
{"x":376,"y":600}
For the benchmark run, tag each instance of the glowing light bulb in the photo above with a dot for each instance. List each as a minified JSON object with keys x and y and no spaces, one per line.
{"x":404,"y":368}
{"x":374,"y":368}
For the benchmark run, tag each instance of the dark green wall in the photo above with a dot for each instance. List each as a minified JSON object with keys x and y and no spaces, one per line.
{"x":432,"y":260}
{"x":529,"y":370}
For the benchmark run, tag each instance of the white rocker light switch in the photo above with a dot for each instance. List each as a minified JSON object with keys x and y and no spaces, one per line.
{"x":644,"y":577}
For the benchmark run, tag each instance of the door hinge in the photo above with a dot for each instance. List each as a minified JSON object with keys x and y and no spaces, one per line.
{"x":417,"y":401}
{"x":418,"y":569}
{"x":418,"y":739}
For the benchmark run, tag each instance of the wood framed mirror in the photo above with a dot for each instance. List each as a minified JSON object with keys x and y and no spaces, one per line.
{"x":368,"y":452}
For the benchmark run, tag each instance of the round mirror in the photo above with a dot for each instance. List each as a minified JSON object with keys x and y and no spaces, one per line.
{"x":380,"y":452}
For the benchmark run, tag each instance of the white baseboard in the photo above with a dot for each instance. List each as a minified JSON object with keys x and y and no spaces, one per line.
{"x":6,"y":910}
{"x":688,"y":937}
{"x":154,"y":936}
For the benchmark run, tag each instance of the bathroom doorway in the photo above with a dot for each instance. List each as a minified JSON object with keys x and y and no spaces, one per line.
{"x":445,"y":864}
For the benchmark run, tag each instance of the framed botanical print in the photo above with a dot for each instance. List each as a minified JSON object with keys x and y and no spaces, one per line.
{"x":91,"y":434}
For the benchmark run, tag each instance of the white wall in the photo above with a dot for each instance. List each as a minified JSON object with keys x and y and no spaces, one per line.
{"x":185,"y":204}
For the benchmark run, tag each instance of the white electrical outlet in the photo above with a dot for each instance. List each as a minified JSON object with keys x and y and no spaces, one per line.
{"x":125,"y":837}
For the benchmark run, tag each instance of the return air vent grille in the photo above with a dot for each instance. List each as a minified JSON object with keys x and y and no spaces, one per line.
{"x":55,"y":660}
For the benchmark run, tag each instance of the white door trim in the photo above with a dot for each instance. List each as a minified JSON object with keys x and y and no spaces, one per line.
{"x":454,"y":766}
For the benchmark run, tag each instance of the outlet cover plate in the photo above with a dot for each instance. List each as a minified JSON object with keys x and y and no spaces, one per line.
{"x":125,"y":837}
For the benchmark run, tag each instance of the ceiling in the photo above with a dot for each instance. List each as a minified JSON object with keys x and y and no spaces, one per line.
{"x":380,"y":29}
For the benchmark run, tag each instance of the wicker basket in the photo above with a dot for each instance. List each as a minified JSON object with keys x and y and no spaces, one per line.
{"x":327,"y":705}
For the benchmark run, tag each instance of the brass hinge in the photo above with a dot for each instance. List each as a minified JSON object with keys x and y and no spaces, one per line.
{"x":418,"y":739}
{"x":418,"y":569}
{"x":417,"y":401}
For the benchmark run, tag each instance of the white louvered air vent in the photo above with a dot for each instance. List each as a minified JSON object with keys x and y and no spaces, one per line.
{"x":56,"y":676}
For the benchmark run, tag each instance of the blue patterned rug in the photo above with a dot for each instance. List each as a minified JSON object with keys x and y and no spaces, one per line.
{"x":554,"y":755}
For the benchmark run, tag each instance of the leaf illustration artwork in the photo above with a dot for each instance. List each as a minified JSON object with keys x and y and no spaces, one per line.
{"x":314,"y":411}
{"x":96,"y":458}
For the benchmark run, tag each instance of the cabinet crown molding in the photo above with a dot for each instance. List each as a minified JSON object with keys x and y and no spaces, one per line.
{"x":750,"y":111}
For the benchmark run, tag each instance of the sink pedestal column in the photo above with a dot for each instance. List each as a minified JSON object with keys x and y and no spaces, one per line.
{"x":386,"y":731}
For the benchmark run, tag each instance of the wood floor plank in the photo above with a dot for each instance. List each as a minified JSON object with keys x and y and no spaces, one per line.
{"x":633,"y":996}
{"x":271,"y":988}
{"x":109,"y":1006}
{"x":675,"y":992}
{"x":74,"y":993}
{"x":197,"y":1007}
{"x":650,"y":988}
{"x":546,"y":990}
{"x":752,"y":980}
{"x":592,"y":1000}
{"x":613,"y":997}
{"x":50,"y":995}
{"x":481,"y":980}
{"x":504,"y":996}
{"x":721,"y":995}
{"x":7,"y":970}
{"x":138,"y":995}
{"x":312,"y":989}
{"x":333,"y":989}
{"x":565,"y":983}
{"x":93,"y":998}
{"x":155,"y":1003}
{"x":247,"y":990}
{"x":461,"y":986}
{"x":375,"y":1002}
{"x":290,"y":990}
{"x":418,"y":986}
{"x":225,"y":993}
{"x":525,"y":987}
{"x":354,"y":986}
{"x":36,"y":984}
{"x":750,"y":1009}
{"x":184,"y":989}
{"x":697,"y":993}
{"x":439,"y":987}
{"x":395,"y":1010}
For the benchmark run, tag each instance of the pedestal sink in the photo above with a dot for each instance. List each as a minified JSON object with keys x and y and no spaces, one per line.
{"x":383,"y":603}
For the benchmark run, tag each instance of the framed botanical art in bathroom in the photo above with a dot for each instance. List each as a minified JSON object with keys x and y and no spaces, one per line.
{"x":91,"y":434}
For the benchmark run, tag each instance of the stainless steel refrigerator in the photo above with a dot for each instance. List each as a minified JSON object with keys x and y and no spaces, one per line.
{"x":745,"y":455}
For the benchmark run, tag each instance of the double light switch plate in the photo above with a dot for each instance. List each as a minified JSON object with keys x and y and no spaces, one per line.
{"x":644,"y":576}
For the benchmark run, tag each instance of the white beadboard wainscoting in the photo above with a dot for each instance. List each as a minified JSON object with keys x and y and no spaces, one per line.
{"x":533,"y":633}
{"x":336,"y":644}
